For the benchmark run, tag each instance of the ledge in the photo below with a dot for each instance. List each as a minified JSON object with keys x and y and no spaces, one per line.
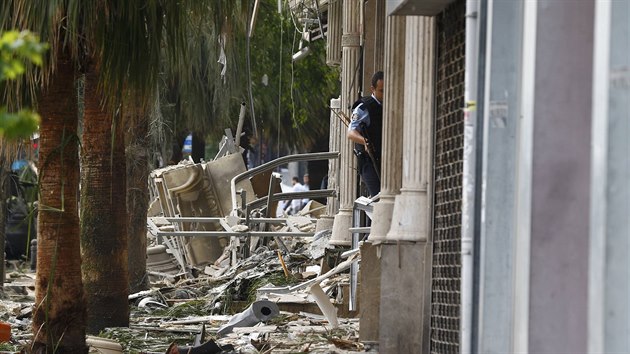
{"x":416,"y":7}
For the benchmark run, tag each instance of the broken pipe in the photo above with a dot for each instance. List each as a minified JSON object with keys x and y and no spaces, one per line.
{"x":259,"y":311}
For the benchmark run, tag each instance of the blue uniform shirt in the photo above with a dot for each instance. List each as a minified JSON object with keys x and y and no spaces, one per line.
{"x":360,"y":115}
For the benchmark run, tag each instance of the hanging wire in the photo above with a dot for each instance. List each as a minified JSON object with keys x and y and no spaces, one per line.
{"x":280,"y":80}
{"x":292,"y":76}
{"x":293,"y":20}
{"x":249,"y":79}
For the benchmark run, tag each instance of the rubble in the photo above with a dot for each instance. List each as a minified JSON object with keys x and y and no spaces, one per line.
{"x":205,"y":303}
{"x":224,"y":278}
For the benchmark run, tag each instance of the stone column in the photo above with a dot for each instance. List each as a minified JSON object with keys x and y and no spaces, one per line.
{"x":391,"y":177}
{"x":333,"y":49}
{"x":373,"y":41}
{"x":332,"y":204}
{"x":334,"y":145}
{"x":393,"y":107}
{"x":350,"y":88}
{"x":379,"y":34}
{"x":369,"y":45}
{"x":411,"y":210}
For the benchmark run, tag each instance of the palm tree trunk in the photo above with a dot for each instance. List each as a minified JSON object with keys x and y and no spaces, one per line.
{"x":103,"y":213}
{"x":137,"y":142}
{"x":59,"y":313}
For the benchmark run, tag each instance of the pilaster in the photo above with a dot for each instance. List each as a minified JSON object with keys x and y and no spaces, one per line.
{"x":350,"y":91}
{"x":393,"y":110}
{"x":379,"y":35}
{"x":334,"y":33}
{"x":374,"y":41}
{"x":411,"y":210}
{"x":336,"y":131}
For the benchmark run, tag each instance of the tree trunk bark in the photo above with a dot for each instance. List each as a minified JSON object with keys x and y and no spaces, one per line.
{"x":103,"y":213}
{"x":137,"y":151}
{"x":59,"y":313}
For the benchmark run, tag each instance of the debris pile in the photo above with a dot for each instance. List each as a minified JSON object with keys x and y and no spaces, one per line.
{"x":227,"y":276}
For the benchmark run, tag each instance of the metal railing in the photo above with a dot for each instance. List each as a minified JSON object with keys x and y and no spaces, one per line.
{"x":275,"y":163}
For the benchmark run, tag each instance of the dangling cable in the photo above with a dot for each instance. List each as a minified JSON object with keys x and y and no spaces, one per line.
{"x":249,"y":79}
{"x":292,"y":75}
{"x":280,"y":80}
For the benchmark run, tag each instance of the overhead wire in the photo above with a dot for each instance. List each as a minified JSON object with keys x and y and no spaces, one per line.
{"x":292,"y":77}
{"x":293,"y":20}
{"x":249,"y":79}
{"x":280,"y":81}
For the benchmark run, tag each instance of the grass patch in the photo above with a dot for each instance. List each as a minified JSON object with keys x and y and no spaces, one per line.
{"x":189,"y":308}
{"x":276,"y":278}
{"x":8,"y":347}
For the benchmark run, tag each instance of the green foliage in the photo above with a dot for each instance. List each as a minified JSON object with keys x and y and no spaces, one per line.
{"x":290,"y":99}
{"x":17,"y":125}
{"x":294,"y":102}
{"x":16,"y":50}
{"x":7,"y":347}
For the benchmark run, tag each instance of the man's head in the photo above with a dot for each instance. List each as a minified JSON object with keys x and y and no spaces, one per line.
{"x":295,"y":180}
{"x":377,"y":85}
{"x":306,"y":178}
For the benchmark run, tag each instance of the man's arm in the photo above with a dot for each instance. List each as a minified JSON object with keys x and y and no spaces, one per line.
{"x":356,"y":137}
{"x":359,"y":116}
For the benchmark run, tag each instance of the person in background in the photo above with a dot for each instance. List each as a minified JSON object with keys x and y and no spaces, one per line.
{"x":306,"y":180}
{"x":296,"y":204}
{"x":187,"y":147}
{"x":307,"y":187}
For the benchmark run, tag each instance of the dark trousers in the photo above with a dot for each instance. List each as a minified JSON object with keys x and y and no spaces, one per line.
{"x":370,"y":177}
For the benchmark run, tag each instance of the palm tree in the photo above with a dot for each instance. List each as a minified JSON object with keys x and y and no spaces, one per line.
{"x":59,"y":318}
{"x":123,"y":50}
{"x":59,"y":314}
{"x":125,"y":40}
{"x":103,"y":211}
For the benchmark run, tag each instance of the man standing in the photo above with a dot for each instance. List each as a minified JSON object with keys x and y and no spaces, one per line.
{"x":307,"y":187}
{"x":365,"y":131}
{"x":307,"y":181}
{"x":296,"y":204}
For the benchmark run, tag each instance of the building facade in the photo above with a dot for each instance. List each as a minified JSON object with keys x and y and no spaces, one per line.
{"x":504,"y":221}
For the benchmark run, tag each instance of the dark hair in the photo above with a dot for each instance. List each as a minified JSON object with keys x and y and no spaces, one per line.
{"x":376,"y":77}
{"x":295,"y":179}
